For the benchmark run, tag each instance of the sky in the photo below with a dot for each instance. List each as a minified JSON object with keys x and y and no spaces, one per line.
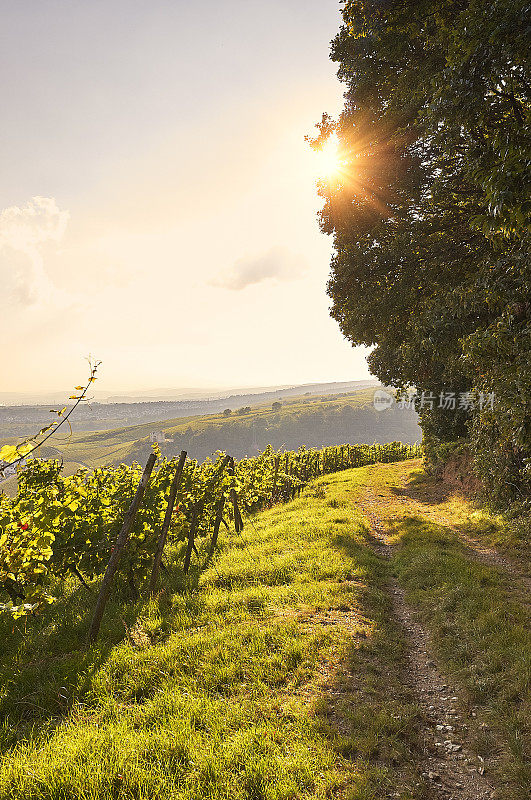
{"x":158,"y":202}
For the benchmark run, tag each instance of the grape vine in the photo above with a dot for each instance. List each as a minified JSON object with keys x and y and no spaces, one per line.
{"x":58,"y":525}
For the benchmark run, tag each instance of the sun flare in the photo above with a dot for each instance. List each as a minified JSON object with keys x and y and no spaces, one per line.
{"x":328,"y":161}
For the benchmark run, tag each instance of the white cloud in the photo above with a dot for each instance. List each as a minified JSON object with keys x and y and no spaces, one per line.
{"x":279,"y":264}
{"x":25,"y":233}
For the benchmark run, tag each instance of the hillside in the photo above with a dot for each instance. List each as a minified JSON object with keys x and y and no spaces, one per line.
{"x":183,"y":396}
{"x":312,"y":421}
{"x":116,"y":412}
{"x":351,"y":643}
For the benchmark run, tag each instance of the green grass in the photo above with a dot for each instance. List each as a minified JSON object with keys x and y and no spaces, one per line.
{"x":479,"y":627}
{"x":271,"y":673}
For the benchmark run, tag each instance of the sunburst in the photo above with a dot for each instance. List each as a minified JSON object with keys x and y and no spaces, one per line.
{"x":328,"y":159}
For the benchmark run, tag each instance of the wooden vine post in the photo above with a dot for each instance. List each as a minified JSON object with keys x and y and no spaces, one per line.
{"x":238,"y":521}
{"x":275,"y":476}
{"x":220,"y":505}
{"x":167,"y":522}
{"x":217,"y":523}
{"x":194,"y":524}
{"x":116,"y":552}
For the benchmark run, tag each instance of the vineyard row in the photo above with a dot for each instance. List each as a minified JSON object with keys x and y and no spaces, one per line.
{"x":117,"y":522}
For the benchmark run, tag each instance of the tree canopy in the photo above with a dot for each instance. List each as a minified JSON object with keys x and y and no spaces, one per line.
{"x":430,"y":213}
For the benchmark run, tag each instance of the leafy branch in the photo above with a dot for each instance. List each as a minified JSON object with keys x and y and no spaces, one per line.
{"x":12,"y":455}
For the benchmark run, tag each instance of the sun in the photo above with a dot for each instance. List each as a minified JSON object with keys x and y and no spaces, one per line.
{"x":328,"y":160}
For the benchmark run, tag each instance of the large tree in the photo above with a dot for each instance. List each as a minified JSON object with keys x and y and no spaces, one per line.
{"x":430,"y":213}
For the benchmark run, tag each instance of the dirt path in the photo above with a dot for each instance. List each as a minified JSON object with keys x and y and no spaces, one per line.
{"x":449,"y":764}
{"x":426,"y":502}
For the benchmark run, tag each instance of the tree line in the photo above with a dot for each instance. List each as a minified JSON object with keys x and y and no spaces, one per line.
{"x":429,"y":214}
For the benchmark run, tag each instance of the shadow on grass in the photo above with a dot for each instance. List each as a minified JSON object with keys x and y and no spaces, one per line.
{"x":425,"y":489}
{"x":366,"y":710}
{"x":45,"y":665}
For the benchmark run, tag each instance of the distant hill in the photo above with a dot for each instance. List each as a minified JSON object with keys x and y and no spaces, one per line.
{"x":310,"y":420}
{"x":181,"y":394}
{"x":23,"y":420}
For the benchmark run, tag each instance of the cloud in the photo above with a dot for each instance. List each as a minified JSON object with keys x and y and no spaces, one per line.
{"x":279,"y":264}
{"x":25,"y":233}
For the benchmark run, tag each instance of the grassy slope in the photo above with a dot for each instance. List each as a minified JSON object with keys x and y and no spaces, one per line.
{"x":273,"y":673}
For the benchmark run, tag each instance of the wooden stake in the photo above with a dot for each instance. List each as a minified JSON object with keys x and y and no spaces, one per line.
{"x":219,"y":505}
{"x":275,"y":476}
{"x":238,"y":521}
{"x":217,"y":524}
{"x":121,"y":541}
{"x":194,"y":523}
{"x":167,"y":522}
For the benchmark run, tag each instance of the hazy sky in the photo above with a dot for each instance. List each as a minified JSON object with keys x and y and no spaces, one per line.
{"x":158,"y":205}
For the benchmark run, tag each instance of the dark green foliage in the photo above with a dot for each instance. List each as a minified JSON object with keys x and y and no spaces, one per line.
{"x":430,"y":213}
